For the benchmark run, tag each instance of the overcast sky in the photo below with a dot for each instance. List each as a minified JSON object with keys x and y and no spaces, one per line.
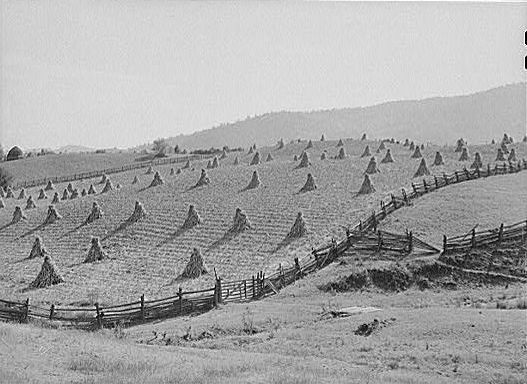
{"x":121,"y":73}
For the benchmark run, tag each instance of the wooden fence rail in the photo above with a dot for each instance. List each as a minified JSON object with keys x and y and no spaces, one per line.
{"x":363,"y":236}
{"x":501,"y":236}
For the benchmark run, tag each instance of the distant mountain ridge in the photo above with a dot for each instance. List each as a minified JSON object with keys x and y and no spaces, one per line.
{"x":74,"y":148}
{"x":477,"y":117}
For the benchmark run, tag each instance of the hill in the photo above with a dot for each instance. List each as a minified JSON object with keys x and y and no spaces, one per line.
{"x":145,"y":257}
{"x":486,"y":203}
{"x":65,"y":164}
{"x":435,"y":337}
{"x":477,"y":117}
{"x":74,"y":148}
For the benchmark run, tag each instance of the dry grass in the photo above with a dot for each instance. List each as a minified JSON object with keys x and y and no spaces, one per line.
{"x":65,"y":164}
{"x":436,"y":337}
{"x":143,"y":255}
{"x":455,"y":210}
{"x":454,"y":336}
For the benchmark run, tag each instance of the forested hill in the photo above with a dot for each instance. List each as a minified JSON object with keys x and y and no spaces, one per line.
{"x":476,"y":117}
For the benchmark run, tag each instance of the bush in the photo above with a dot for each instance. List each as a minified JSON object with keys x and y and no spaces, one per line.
{"x":214,"y":151}
{"x":211,"y":151}
{"x":160,"y":146}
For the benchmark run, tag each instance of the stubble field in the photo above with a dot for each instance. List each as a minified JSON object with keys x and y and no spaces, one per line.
{"x":145,"y":257}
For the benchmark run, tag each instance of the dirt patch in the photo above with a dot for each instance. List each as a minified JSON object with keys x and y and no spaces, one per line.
{"x":423,"y":275}
{"x":509,"y":261}
{"x":391,"y":279}
{"x":367,"y":329}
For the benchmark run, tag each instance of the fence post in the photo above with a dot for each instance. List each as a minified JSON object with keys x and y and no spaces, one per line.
{"x":383,"y":208}
{"x":414,"y":188}
{"x":425,"y":186}
{"x":143,"y":307}
{"x":405,"y":196}
{"x":457,"y":176}
{"x":99,"y":318}
{"x":52,"y":311}
{"x":500,"y":234}
{"x":473,"y":240}
{"x":478,"y":172}
{"x":216,"y":292}
{"x":316,"y":260}
{"x":374,"y":221}
{"x":379,"y":241}
{"x":262,"y":292}
{"x":435,"y":181}
{"x":410,"y":242}
{"x":26,"y":311}
{"x":245,"y":288}
{"x":180,"y":299}
{"x":394,"y":201}
{"x":444,"y":243}
{"x":488,"y":169}
{"x":297,"y":267}
{"x":445,"y":177}
{"x":254,"y":290}
{"x":282,"y":279}
{"x":220,"y":297}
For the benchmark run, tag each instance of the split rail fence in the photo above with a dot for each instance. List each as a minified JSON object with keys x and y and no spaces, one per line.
{"x":504,"y":235}
{"x":363,"y":236}
{"x":108,"y":171}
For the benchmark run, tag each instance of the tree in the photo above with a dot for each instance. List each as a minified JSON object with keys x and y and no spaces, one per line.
{"x":160,"y":146}
{"x":5,"y":178}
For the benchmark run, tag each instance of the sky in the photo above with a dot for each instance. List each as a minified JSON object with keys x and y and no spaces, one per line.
{"x":123,"y":73}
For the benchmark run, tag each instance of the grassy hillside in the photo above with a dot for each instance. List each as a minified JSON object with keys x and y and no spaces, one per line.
{"x":457,"y":209}
{"x":146,"y":256}
{"x":477,"y":117}
{"x":452,"y":336}
{"x":65,"y":164}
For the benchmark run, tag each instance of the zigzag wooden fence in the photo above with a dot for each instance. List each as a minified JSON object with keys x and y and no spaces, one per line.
{"x":504,"y":235}
{"x":108,"y":171}
{"x":389,"y":242}
{"x":359,"y":237}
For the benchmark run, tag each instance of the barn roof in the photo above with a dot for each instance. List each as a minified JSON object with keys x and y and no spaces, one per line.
{"x":15,"y":153}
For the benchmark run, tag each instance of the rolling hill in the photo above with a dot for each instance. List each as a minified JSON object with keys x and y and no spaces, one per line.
{"x":146,"y":256}
{"x":477,"y":117}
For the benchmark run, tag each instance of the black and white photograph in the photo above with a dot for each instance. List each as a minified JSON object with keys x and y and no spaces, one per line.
{"x":274,"y":192}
